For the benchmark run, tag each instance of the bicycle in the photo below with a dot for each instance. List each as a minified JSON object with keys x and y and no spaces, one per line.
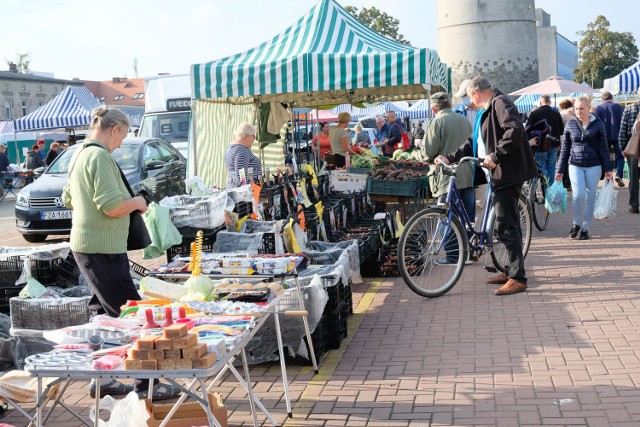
{"x":435,"y":243}
{"x":535,"y":191}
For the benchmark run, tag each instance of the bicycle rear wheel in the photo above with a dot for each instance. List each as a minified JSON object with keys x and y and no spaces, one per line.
{"x":499,"y":251}
{"x":431,"y":260}
{"x":539,"y":212}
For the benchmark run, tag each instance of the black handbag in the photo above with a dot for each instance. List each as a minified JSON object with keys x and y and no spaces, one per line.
{"x":138,"y":237}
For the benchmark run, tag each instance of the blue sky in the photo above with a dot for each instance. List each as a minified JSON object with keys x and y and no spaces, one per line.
{"x":99,"y":40}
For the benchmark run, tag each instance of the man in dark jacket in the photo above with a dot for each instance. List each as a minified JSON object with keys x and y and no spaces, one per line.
{"x":629,"y":117}
{"x":4,"y":166}
{"x":33,"y":158}
{"x":611,"y":115}
{"x":503,"y":144}
{"x":547,"y":150}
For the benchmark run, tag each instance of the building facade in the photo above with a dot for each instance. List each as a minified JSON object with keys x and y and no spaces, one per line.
{"x":121,"y":91}
{"x":557,"y":55}
{"x":21,"y":94}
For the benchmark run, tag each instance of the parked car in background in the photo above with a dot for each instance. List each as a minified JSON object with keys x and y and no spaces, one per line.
{"x":152,"y":167}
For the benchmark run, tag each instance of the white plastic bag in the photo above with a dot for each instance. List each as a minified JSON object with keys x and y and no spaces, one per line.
{"x":606,"y":200}
{"x":127,"y":412}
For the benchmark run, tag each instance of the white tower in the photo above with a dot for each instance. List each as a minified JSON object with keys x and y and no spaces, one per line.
{"x":493,"y":38}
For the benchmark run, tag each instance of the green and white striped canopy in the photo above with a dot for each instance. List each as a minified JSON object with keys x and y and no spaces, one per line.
{"x":326,"y":57}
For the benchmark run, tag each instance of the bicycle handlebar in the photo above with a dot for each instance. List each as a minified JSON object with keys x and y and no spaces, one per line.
{"x":476,"y":160}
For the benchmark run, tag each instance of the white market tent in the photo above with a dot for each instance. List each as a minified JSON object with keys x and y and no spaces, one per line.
{"x":326,"y":57}
{"x":628,"y":81}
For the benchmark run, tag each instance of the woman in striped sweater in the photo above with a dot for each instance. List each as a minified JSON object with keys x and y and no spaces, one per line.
{"x":239,"y":156}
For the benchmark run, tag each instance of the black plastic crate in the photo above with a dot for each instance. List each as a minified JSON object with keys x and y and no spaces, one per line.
{"x":137,"y":271}
{"x":268,"y":244}
{"x":10,"y":270}
{"x":45,"y":314}
{"x":336,"y":327}
{"x":184,"y":249}
{"x":69,"y":270}
{"x":347,"y":307}
{"x":243,"y":209}
{"x":6,"y":293}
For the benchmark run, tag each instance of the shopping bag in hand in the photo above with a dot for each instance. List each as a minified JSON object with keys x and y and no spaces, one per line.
{"x":606,"y":201}
{"x":556,"y":198}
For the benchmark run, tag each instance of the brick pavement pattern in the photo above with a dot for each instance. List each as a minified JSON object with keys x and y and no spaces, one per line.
{"x":562,"y":353}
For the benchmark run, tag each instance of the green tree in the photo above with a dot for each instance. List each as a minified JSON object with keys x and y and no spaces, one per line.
{"x":379,"y":21}
{"x":603,"y":53}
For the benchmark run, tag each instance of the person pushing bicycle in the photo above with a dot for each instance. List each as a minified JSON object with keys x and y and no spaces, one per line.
{"x":504,"y":146}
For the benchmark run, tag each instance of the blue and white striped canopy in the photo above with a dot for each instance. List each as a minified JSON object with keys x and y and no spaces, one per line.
{"x":627,"y":81}
{"x":529,"y":102}
{"x":70,"y":109}
{"x":378,"y":110}
{"x":6,"y":126}
{"x":420,"y":110}
{"x":326,"y":57}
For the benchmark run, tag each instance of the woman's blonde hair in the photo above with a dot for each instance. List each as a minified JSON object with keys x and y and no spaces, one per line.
{"x":357,"y":128}
{"x":344,"y":117}
{"x":105,"y":118}
{"x":245,"y":129}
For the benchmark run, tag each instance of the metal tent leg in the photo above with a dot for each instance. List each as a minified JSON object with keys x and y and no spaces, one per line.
{"x":283,"y":366}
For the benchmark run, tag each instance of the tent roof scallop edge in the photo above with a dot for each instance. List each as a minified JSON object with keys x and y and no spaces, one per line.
{"x":326,"y":57}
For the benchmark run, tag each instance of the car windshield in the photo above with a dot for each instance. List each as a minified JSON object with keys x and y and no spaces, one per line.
{"x":126,"y":156}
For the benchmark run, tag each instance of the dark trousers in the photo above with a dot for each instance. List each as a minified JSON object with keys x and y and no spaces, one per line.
{"x":619,"y":157}
{"x":633,"y":182}
{"x":111,"y":286}
{"x":505,"y":202}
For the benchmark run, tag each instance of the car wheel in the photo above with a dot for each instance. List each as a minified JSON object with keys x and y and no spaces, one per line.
{"x":35,"y":238}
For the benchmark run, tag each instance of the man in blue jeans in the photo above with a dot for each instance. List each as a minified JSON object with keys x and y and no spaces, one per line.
{"x":546,"y":151}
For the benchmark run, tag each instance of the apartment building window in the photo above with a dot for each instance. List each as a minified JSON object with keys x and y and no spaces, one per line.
{"x":118,"y":97}
{"x":55,"y":89}
{"x":102,"y":98}
{"x":7,"y":110}
{"x":138,"y":95}
{"x":40,"y":103}
{"x":24,"y":108}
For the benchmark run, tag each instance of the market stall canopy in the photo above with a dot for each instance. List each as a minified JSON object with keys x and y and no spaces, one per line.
{"x":529,"y":102}
{"x":555,"y":85}
{"x":71,"y":108}
{"x":376,"y":110}
{"x":134,"y":113}
{"x":326,"y":57}
{"x":6,"y":126}
{"x":420,"y":110}
{"x":323,"y":116}
{"x":626,"y":82}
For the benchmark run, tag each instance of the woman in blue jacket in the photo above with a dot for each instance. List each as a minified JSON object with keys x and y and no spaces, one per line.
{"x":586,"y":152}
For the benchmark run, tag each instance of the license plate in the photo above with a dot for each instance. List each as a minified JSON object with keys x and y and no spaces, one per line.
{"x":55,"y":215}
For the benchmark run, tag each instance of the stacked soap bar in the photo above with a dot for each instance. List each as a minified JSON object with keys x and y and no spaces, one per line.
{"x":175,"y":349}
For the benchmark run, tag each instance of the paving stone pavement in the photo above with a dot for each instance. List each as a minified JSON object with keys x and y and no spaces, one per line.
{"x":562,"y":353}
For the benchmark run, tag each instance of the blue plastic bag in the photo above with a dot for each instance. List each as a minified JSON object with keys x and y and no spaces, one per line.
{"x":556,"y":198}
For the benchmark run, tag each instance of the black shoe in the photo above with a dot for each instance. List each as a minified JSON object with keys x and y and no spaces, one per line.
{"x":112,"y":388}
{"x":574,"y":231}
{"x":584,"y":235}
{"x":634,"y":209}
{"x":161,"y":391}
{"x":619,"y":181}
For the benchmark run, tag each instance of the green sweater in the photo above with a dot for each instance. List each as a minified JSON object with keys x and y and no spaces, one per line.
{"x":95,"y":187}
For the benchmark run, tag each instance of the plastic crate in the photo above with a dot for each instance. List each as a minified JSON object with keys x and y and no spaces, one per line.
{"x":268,"y":244}
{"x":243,"y":209}
{"x":359,"y":170}
{"x":393,"y":187}
{"x":47,"y":314}
{"x":137,"y":271}
{"x":184,"y":249}
{"x":347,"y":182}
{"x":69,"y":270}
{"x":10,"y":270}
{"x":336,"y":327}
{"x":6,"y":293}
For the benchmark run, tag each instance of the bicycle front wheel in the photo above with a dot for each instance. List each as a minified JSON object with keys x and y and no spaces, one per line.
{"x":539,"y":212}
{"x":499,"y":254}
{"x":431,"y":256}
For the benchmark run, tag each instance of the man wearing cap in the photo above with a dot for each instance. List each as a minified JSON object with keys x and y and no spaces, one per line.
{"x":444,"y":134}
{"x":503,"y":144}
{"x":466,"y":107}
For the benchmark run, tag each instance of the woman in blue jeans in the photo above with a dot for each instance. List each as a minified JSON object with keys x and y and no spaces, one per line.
{"x":585,"y":152}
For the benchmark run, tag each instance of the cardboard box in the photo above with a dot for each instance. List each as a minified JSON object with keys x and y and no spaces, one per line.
{"x":188,"y":414}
